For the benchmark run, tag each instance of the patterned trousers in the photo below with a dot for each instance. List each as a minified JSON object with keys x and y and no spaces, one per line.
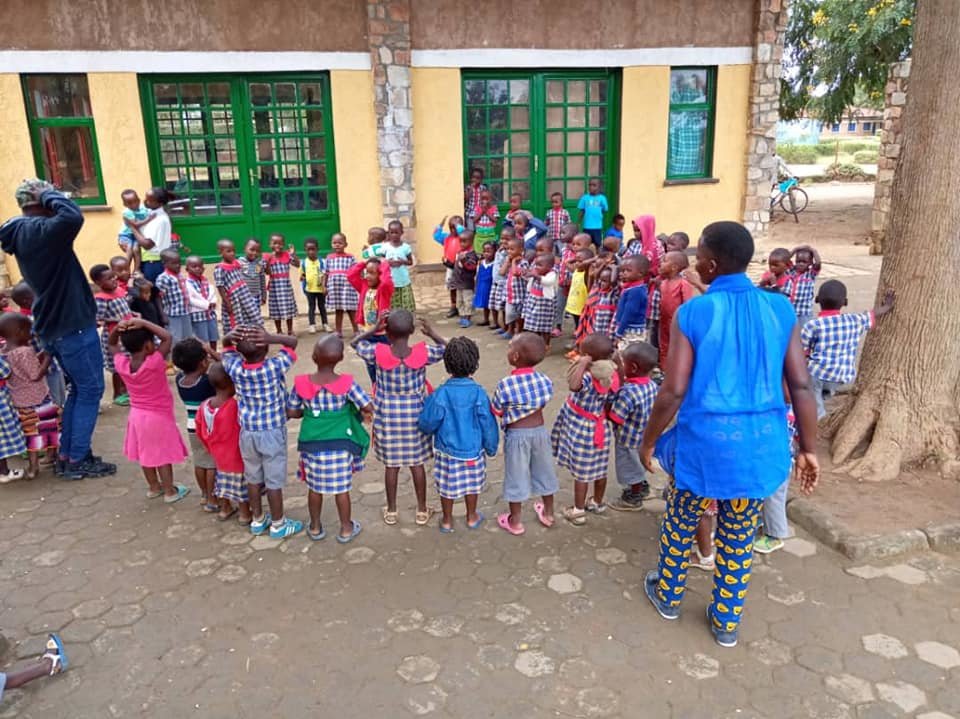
{"x":737,"y":521}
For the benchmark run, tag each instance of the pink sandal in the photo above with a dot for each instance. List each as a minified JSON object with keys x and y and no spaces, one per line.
{"x":504,"y":521}
{"x":538,"y":508}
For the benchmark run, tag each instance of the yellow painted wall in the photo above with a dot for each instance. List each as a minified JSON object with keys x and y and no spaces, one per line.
{"x":355,"y":145}
{"x":643,"y":152}
{"x":437,"y":153}
{"x":15,"y":150}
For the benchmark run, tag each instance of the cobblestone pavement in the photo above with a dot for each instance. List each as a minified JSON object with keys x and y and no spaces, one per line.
{"x":168,"y":613}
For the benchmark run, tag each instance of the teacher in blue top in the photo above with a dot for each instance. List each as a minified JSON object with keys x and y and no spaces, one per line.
{"x":732,"y":352}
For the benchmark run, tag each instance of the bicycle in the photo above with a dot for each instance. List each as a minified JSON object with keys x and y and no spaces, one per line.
{"x":790,"y":196}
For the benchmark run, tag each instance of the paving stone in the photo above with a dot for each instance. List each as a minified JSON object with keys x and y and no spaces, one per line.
{"x":578,"y":673}
{"x":425,"y":699}
{"x":611,"y":556}
{"x":906,"y":696}
{"x":92,"y":608}
{"x":418,"y":669}
{"x":799,"y":547}
{"x":443,"y":627}
{"x":885,"y":646}
{"x":231,"y":573}
{"x":782,"y":594}
{"x":370,"y":488}
{"x":202,"y":567}
{"x":123,"y":615}
{"x":906,"y":574}
{"x":819,"y":659}
{"x":597,"y":702}
{"x":850,"y":689}
{"x":50,"y":559}
{"x":699,"y":666}
{"x":826,"y":707}
{"x":866,"y":571}
{"x":941,"y":655}
{"x":534,"y":663}
{"x":934,"y":715}
{"x":186,"y":655}
{"x":494,"y":657}
{"x":512,"y":613}
{"x":771,"y":652}
{"x":879,"y":710}
{"x":565,"y":583}
{"x":358,"y":555}
{"x":406,"y":620}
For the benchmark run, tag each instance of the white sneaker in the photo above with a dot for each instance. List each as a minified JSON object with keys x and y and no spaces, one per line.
{"x":326,"y":328}
{"x":707,"y":564}
{"x":313,"y":329}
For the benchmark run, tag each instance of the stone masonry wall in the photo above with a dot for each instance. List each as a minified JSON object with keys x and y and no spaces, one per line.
{"x":388,"y":30}
{"x":764,"y":114}
{"x":890,"y":146}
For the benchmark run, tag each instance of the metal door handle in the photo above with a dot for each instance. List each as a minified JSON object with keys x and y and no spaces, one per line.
{"x":536,"y":163}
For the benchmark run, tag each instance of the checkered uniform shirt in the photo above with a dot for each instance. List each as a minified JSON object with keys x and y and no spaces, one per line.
{"x":261,"y":389}
{"x":802,"y":291}
{"x":173,"y":294}
{"x":653,"y":313}
{"x":555,"y":220}
{"x":473,"y":199}
{"x":686,"y":142}
{"x":831,"y":342}
{"x":631,"y":410}
{"x":521,"y":394}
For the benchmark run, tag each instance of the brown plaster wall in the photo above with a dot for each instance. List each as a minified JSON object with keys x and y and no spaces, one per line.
{"x":199,"y":25}
{"x":574,"y":24}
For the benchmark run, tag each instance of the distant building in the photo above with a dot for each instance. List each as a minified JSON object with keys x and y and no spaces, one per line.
{"x":860,"y":122}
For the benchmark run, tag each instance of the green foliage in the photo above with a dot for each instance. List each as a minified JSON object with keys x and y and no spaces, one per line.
{"x":829,"y":147}
{"x":846,"y":171}
{"x":844,"y":47}
{"x":867,"y":156}
{"x":799,"y":154}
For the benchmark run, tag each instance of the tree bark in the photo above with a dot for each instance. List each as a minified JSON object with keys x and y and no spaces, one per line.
{"x":903,"y":411}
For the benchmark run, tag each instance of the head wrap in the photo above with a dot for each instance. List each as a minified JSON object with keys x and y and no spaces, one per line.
{"x":28,"y":192}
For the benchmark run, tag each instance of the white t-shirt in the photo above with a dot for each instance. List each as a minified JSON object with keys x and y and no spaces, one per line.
{"x":157,"y":229}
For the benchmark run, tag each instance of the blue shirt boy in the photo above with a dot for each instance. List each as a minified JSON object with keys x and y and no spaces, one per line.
{"x":593,"y":207}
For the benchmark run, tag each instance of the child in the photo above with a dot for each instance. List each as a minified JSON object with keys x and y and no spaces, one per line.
{"x":145,"y":301}
{"x":373,"y":282}
{"x":459,"y":418}
{"x":677,"y":242}
{"x":481,"y":298}
{"x":592,"y":205}
{"x":333,"y":440}
{"x":539,"y":305}
{"x":112,"y":306}
{"x":630,"y":319}
{"x":528,"y":462}
{"x":778,"y":275}
{"x":565,"y":273}
{"x":121,"y":268}
{"x":598,"y":313}
{"x":465,"y":277}
{"x":485,"y":221}
{"x":203,"y":303}
{"x":629,"y":414}
{"x":577,"y":296}
{"x":341,"y":296}
{"x":498,"y":293}
{"x":399,"y":256}
{"x":616,"y":228}
{"x":514,"y":210}
{"x":280,"y":300}
{"x":471,"y":194}
{"x":450,"y":240}
{"x":832,"y":339}
{"x":218,"y":427}
{"x":251,"y":264}
{"x":39,"y":416}
{"x":191,"y":357}
{"x":529,"y":229}
{"x":12,"y":442}
{"x":313,"y":278}
{"x":53,"y":661}
{"x":610,"y":250}
{"x":674,"y":291}
{"x":173,"y":296}
{"x":514,"y":271}
{"x":376,"y":239}
{"x":774,"y":512}
{"x":261,"y":400}
{"x":238,"y":307}
{"x":645,"y":243}
{"x":401,"y":376}
{"x":134,"y":215}
{"x":803,"y":275}
{"x":153,"y":439}
{"x":580,"y":439}
{"x":557,"y":218}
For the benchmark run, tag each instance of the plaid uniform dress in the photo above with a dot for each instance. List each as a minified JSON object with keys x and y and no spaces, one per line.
{"x":456,"y":478}
{"x":255,"y":277}
{"x":498,"y":294}
{"x":340,"y":293}
{"x":472,"y":201}
{"x":582,"y":443}
{"x":831,"y":342}
{"x":516,"y":286}
{"x":219,"y":430}
{"x":400,"y":388}
{"x":329,"y":472}
{"x":11,"y":433}
{"x":802,"y":291}
{"x":539,"y":311}
{"x":631,"y":410}
{"x":111,"y":308}
{"x":555,"y":220}
{"x":240,"y":307}
{"x":605,"y":311}
{"x":281,"y":303}
{"x":632,"y":248}
{"x":173,"y":294}
{"x":201,"y":286}
{"x":685,"y":156}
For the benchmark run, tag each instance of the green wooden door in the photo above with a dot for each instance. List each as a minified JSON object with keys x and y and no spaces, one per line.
{"x":246,"y":156}
{"x":536,"y":133}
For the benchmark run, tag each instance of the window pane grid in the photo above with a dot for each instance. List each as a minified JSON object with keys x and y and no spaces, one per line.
{"x":690,"y":133}
{"x":576,"y":120}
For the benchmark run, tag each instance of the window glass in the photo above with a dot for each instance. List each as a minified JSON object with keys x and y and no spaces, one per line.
{"x":690,"y":133}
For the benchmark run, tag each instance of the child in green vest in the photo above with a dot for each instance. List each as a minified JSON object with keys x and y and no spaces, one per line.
{"x":333,"y":441}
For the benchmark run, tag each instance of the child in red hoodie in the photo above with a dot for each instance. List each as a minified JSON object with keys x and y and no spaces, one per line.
{"x":373,"y":282}
{"x":450,"y":239}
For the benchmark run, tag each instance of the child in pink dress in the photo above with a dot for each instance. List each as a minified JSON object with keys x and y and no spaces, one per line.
{"x":153,"y":438}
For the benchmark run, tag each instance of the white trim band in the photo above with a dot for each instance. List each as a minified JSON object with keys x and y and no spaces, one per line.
{"x":531,"y":57}
{"x":148,"y":61}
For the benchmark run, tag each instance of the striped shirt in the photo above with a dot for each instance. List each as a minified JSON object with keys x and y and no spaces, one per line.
{"x":192,"y":396}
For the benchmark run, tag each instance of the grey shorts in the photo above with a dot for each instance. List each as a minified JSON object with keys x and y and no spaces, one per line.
{"x":264,"y":455}
{"x":180,"y":327}
{"x":629,"y":469}
{"x":511,"y":313}
{"x":201,"y":457}
{"x":206,"y":330}
{"x":448,"y":278}
{"x":528,"y":464}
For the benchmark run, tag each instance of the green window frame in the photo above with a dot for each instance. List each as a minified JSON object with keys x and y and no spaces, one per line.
{"x":63,"y":134}
{"x":690,"y":133}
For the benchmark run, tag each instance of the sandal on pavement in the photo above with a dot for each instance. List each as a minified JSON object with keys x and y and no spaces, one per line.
{"x":576,"y":517}
{"x":542,"y":516}
{"x":56,"y":654}
{"x":181,"y":493}
{"x":445,"y":530}
{"x":317,"y":536}
{"x":480,"y":520}
{"x":389,"y":517}
{"x":353,"y":533}
{"x":504,"y":521}
{"x":423,"y":518}
{"x":11,"y":476}
{"x":153,"y":494}
{"x":210,"y":508}
{"x":595,"y":506}
{"x":221,"y":517}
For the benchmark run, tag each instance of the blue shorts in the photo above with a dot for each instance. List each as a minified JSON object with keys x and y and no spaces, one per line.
{"x":264,"y":455}
{"x":125,"y":241}
{"x":528,"y":464}
{"x":206,"y":330}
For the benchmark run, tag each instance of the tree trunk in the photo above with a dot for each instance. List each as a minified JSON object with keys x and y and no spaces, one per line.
{"x":904,"y":407}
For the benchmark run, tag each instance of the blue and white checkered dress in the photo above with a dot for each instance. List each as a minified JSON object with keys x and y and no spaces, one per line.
{"x":110,"y":310}
{"x":516,"y":286}
{"x":831,"y":342}
{"x":605,"y":312}
{"x":803,"y":291}
{"x":280,"y":300}
{"x":573,"y":436}
{"x":520,"y":394}
{"x":173,"y":294}
{"x":232,"y":486}
{"x":261,"y":389}
{"x":328,"y":472}
{"x":240,"y":308}
{"x":340,"y":293}
{"x":456,"y":478}
{"x":12,"y":442}
{"x":631,"y":410}
{"x":498,"y":293}
{"x":397,"y":403}
{"x":539,"y":312}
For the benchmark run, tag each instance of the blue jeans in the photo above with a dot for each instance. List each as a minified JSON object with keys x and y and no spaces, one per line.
{"x":818,"y":386}
{"x":81,"y":358}
{"x":152,"y":269}
{"x":775,"y":512}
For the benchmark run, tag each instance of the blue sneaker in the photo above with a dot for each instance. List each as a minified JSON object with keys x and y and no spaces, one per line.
{"x":465,"y":322}
{"x":258,"y":528}
{"x":287,"y":529}
{"x":724,"y":639}
{"x":650,"y":583}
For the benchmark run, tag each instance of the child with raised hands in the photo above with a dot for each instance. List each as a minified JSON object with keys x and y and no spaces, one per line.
{"x":333,"y":441}
{"x":464,"y":431}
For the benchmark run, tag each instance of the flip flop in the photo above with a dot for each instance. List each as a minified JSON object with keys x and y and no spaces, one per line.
{"x":225,"y":517}
{"x":389,"y":518}
{"x":182,"y":492}
{"x":353,"y":533}
{"x":153,"y":495}
{"x":210,"y":508}
{"x":319,"y":535}
{"x":56,"y":654}
{"x":538,"y":508}
{"x":504,"y":521}
{"x":423,"y":518}
{"x":445,"y":530}
{"x":480,"y":520}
